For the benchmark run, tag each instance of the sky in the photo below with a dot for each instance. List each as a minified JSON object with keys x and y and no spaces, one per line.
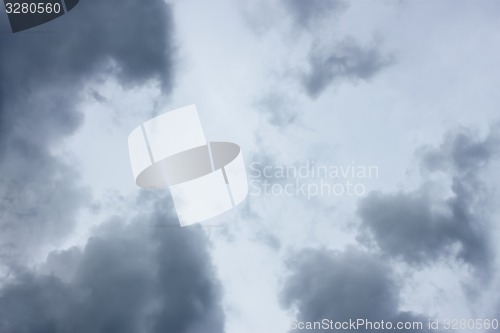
{"x":406,"y":89}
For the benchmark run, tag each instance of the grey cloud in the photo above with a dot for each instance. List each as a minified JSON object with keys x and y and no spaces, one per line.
{"x":328,"y":63}
{"x":341,"y":286}
{"x":38,"y":199}
{"x":305,"y":15}
{"x":128,"y":278}
{"x":462,"y":152}
{"x":348,"y":60}
{"x":42,"y":75}
{"x":306,"y":12}
{"x":420,"y":227}
{"x":135,"y":35}
{"x":279,"y":108}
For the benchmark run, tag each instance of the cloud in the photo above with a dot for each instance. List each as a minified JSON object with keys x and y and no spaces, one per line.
{"x":348,"y":60}
{"x":306,"y":12}
{"x":421,"y":226}
{"x":328,"y":61}
{"x":462,"y":153}
{"x":279,"y":108}
{"x":43,"y":71}
{"x":134,"y":35}
{"x":130,"y":277}
{"x":340,"y":286}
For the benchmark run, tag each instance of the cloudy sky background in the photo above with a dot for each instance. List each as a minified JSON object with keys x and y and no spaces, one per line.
{"x":408,"y":86}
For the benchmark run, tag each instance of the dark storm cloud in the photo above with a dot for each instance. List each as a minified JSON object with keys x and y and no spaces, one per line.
{"x":307,"y":12}
{"x":342,"y":285}
{"x":135,"y":35}
{"x":128,"y":278}
{"x":42,"y":72}
{"x":420,"y":227}
{"x":348,"y":60}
